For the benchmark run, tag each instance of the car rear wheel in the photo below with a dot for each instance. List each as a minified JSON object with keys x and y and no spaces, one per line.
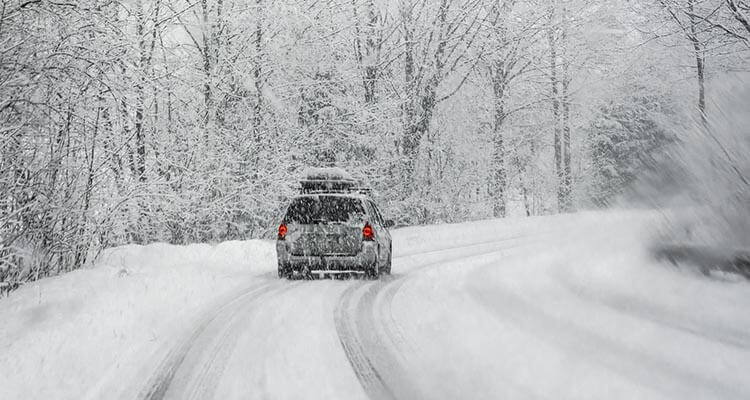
{"x":284,"y":272}
{"x":372,"y":272}
{"x":387,"y":268}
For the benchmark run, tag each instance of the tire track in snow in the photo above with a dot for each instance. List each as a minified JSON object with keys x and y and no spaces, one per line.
{"x":203,"y":383}
{"x":356,"y":350}
{"x":377,"y":358}
{"x":160,"y":382}
{"x":391,"y":327}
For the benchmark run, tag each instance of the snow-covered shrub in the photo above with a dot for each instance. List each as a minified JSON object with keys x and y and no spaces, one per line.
{"x":625,"y":140}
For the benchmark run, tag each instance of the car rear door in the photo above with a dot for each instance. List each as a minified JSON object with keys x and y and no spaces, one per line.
{"x":325,"y":225}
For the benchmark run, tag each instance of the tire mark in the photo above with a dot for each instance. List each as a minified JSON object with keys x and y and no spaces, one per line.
{"x":375,"y":363}
{"x":161,"y":380}
{"x":469,"y":246}
{"x":204,"y":383}
{"x":365,"y":370}
{"x":369,"y":377}
{"x":392,"y":328}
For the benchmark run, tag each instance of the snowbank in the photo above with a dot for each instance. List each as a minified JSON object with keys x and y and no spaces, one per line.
{"x":61,"y":334}
{"x":241,"y":256}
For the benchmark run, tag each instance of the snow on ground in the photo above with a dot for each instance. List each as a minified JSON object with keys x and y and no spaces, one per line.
{"x":61,"y":336}
{"x":578,"y":313}
{"x":568,"y":306}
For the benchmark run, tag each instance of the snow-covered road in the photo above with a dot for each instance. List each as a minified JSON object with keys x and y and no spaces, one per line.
{"x":552,"y":308}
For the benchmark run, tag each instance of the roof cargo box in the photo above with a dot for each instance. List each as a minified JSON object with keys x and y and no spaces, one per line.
{"x":330,"y":180}
{"x":317,"y":174}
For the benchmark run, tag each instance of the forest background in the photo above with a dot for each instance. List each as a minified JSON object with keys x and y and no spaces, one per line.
{"x":180,"y":121}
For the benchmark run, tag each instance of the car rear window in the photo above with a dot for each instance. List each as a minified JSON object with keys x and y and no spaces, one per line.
{"x":325,"y":210}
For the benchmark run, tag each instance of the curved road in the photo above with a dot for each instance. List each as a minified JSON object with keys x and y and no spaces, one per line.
{"x":514,"y":316}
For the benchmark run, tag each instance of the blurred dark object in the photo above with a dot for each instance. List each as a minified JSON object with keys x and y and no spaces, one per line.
{"x":705,"y":258}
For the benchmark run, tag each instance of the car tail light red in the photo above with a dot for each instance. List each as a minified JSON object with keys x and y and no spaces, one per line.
{"x":282,"y":232}
{"x":368,"y":233}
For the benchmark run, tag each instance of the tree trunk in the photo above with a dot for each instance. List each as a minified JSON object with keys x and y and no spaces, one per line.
{"x":699,"y":61}
{"x":372,"y":53}
{"x":409,"y":143}
{"x":566,"y":184}
{"x":700,"y":65}
{"x":498,"y":175}
{"x":207,"y":65}
{"x":567,"y":203}
{"x":559,"y":171}
{"x":426,"y":99}
{"x":83,"y":245}
{"x":140,"y":139}
{"x":258,"y":76}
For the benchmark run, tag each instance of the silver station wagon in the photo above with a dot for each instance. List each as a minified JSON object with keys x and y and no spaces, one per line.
{"x":333,"y":228}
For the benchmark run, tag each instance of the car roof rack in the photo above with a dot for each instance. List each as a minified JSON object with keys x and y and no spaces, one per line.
{"x":331,"y":181}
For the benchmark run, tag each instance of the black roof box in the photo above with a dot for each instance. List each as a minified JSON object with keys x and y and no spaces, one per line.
{"x":330,"y":180}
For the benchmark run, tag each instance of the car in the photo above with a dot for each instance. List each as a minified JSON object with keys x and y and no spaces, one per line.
{"x":333,"y":228}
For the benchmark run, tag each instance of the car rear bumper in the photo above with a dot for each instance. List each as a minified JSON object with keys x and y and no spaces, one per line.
{"x":363,"y":261}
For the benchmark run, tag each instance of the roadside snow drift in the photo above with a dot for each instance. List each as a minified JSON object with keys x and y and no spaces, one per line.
{"x":62,"y":336}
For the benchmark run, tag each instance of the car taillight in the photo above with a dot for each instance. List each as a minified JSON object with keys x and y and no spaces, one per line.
{"x":367,"y":233}
{"x":282,"y":232}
